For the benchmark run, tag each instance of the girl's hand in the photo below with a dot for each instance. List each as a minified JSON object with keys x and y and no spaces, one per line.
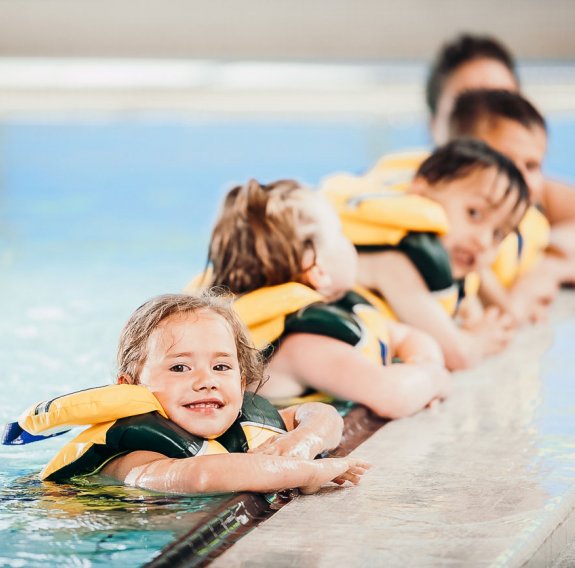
{"x":442,"y":378}
{"x":494,"y":332}
{"x":353,"y":472}
{"x":295,"y":444}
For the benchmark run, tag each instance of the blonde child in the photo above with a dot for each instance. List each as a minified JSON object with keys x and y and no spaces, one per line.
{"x":465,"y":198}
{"x":180,"y":412}
{"x":513,"y":126}
{"x":280,"y":249}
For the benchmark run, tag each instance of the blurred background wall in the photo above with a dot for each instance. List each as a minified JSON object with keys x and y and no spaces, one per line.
{"x":342,"y":30}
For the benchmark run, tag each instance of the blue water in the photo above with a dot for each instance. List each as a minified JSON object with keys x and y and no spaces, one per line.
{"x":96,"y":217}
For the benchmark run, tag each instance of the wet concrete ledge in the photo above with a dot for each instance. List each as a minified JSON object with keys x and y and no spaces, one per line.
{"x":486,"y":479}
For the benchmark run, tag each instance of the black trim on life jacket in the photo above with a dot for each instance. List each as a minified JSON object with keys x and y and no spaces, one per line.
{"x":427,"y":254}
{"x":152,"y":432}
{"x":331,"y":320}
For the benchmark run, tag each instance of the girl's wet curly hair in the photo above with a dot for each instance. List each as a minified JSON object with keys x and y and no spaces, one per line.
{"x":133,"y":344}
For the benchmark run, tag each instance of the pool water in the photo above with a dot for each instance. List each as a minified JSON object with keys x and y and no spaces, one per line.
{"x":95,"y":217}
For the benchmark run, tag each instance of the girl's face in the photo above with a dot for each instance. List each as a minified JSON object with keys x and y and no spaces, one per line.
{"x":335,"y":255}
{"x":193,"y":370}
{"x":482,"y":73}
{"x":480,"y":216}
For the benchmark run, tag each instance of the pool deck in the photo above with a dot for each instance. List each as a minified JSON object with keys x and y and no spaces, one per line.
{"x":485,"y":479}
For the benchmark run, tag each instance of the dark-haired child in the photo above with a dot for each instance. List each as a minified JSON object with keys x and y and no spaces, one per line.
{"x":512,"y":125}
{"x":464,"y":63}
{"x":418,"y":244}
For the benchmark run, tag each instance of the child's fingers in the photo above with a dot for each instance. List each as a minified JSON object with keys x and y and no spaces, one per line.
{"x":353,"y":475}
{"x":491,"y":313}
{"x":338,"y":470}
{"x":501,"y":339}
{"x":539,"y":313}
{"x":495,"y":320}
{"x":356,"y":462}
{"x":506,"y":320}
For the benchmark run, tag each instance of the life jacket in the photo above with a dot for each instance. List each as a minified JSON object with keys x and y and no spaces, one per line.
{"x":264,"y":311}
{"x":519,"y":251}
{"x":127,"y":418}
{"x":276,"y":311}
{"x":398,"y":168}
{"x":377,"y":218}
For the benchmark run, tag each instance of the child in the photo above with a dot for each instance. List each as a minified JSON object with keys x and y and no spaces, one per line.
{"x":468,"y":62}
{"x":280,"y":248}
{"x":512,"y":125}
{"x":190,"y":359}
{"x":463,"y":201}
{"x":479,"y":62}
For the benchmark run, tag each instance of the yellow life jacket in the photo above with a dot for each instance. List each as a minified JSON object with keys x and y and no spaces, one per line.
{"x":264,"y":311}
{"x":126,"y":418}
{"x":520,"y":251}
{"x":398,"y":169}
{"x":376,"y":216}
{"x":373,"y":214}
{"x":275,"y":311}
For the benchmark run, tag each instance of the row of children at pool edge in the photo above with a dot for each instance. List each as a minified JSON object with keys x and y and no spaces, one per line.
{"x":371,"y":290}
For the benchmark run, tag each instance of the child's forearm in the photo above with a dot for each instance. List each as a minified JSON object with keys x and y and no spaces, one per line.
{"x":233,"y":472}
{"x":464,"y":351}
{"x":319,"y":428}
{"x":414,"y":346}
{"x":409,"y":388}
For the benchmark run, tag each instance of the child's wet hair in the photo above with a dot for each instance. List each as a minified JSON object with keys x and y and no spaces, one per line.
{"x":133,"y":344}
{"x":261,"y":236}
{"x":460,"y":157}
{"x":461,"y":50}
{"x":479,"y":106}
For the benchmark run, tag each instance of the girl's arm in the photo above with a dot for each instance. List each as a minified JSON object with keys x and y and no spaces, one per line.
{"x":415,"y":347}
{"x":530,"y":296}
{"x":339,"y":369}
{"x":224,"y":473}
{"x":396,"y":278}
{"x":412,"y":345}
{"x":313,"y":427}
{"x":527,"y":300}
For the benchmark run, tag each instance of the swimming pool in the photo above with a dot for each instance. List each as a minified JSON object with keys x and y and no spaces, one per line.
{"x":96,"y":216}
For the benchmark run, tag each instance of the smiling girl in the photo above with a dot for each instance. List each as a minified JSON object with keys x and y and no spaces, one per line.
{"x":180,"y":419}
